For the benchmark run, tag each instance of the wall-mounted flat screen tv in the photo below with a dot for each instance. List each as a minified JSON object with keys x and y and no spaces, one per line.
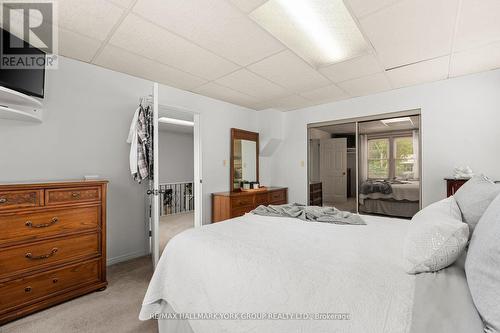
{"x":27,"y":81}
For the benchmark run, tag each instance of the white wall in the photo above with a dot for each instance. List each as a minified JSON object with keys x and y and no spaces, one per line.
{"x":175,"y":157}
{"x":460,"y":119}
{"x":88,"y":111}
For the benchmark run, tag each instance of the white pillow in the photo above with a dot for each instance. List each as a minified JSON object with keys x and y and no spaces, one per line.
{"x":483,"y":269}
{"x":474,"y":197}
{"x":436,"y":237}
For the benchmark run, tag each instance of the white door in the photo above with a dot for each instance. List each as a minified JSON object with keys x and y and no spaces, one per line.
{"x":333,"y":169}
{"x":155,"y":196}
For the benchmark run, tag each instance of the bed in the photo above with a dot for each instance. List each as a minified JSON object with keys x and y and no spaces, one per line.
{"x":396,"y":198}
{"x":261,"y":265}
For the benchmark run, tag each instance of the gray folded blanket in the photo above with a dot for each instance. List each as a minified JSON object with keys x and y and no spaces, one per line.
{"x":310,"y":213}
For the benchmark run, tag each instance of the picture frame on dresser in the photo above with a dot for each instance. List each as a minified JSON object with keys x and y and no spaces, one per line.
{"x":52,"y":245}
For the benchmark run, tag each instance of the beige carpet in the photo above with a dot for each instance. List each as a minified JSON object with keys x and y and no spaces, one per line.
{"x":348,"y":205}
{"x":114,"y":310}
{"x":171,"y":225}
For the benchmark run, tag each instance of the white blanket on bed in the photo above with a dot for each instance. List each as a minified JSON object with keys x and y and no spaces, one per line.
{"x":284,"y":265}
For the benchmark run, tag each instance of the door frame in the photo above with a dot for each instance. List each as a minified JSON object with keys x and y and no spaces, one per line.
{"x":357,"y":120}
{"x":197,"y":175}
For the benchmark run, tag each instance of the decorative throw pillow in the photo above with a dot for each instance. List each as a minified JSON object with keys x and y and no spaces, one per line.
{"x":474,"y":197}
{"x":436,"y":237}
{"x":482,"y":267}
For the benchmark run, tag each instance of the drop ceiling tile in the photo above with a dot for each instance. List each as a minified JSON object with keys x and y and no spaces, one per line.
{"x":478,"y":24}
{"x":425,"y":71}
{"x":151,"y":41}
{"x":122,"y":61}
{"x":287,"y":103}
{"x":475,"y":60}
{"x":76,"y":46}
{"x":411,"y":30}
{"x":247,"y":5}
{"x":366,"y":85}
{"x":222,"y":93}
{"x":92,"y":18}
{"x":362,"y":8}
{"x":325,"y":94}
{"x":352,"y":68}
{"x":122,"y":3}
{"x":216,"y":25}
{"x":251,"y":84}
{"x":289,"y":71}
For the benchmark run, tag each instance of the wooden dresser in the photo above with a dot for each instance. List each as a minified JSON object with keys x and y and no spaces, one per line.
{"x":226,"y":205}
{"x":453,"y":184}
{"x":52,"y":244}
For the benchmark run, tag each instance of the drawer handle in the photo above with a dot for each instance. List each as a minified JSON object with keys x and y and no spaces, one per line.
{"x":55,"y":280}
{"x":30,"y":224}
{"x":30,"y":255}
{"x":27,"y":289}
{"x":3,"y":200}
{"x":75,"y":195}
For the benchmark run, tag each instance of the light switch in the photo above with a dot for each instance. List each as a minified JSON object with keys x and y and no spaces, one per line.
{"x":224,"y":162}
{"x":302,"y":163}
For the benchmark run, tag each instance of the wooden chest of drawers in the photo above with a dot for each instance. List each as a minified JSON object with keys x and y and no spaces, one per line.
{"x":226,"y":205}
{"x":453,"y":184}
{"x":52,"y":244}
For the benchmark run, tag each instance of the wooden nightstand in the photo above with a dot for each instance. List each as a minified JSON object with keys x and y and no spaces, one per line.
{"x":453,"y":184}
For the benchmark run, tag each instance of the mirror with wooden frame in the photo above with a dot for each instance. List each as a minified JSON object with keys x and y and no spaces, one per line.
{"x":244,"y":158}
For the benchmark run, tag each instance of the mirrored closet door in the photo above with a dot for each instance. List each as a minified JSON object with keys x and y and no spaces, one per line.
{"x":389,"y":166}
{"x":368,"y":165}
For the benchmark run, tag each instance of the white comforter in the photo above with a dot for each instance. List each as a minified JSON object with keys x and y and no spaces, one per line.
{"x":284,"y":265}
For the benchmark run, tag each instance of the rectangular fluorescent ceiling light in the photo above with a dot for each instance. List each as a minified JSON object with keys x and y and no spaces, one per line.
{"x":388,"y":122}
{"x":322,"y":32}
{"x":176,"y":121}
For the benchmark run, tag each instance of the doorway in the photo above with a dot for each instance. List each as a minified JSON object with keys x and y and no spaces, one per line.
{"x":176,"y":174}
{"x":189,"y":194}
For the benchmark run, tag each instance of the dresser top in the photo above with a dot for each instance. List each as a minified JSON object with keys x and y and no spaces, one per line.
{"x":242,"y":193}
{"x":45,"y":184}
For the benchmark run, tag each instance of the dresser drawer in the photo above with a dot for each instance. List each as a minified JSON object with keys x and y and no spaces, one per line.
{"x":242,"y":201}
{"x":71,"y":195}
{"x":36,"y":225}
{"x":20,"y":199}
{"x":18,"y":259}
{"x":261,"y":199}
{"x":240,"y":211}
{"x":277,"y":197}
{"x":34,"y":287}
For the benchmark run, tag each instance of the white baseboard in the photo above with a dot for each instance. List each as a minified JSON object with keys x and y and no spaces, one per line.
{"x":125,"y":257}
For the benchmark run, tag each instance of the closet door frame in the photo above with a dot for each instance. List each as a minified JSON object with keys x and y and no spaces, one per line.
{"x":357,"y":121}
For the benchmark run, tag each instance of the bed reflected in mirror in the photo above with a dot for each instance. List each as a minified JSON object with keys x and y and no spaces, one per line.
{"x":389,"y":166}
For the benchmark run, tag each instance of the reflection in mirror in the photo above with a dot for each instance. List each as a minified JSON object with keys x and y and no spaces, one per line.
{"x":244,"y":165}
{"x":245,"y":162}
